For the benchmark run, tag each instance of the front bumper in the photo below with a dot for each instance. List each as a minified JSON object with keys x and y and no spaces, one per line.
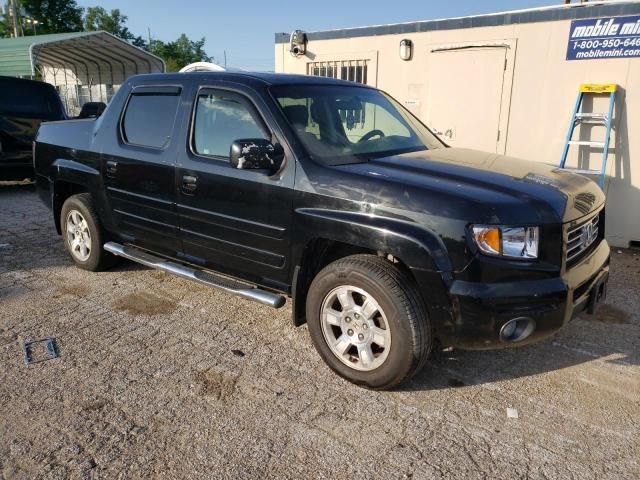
{"x":482,"y":309}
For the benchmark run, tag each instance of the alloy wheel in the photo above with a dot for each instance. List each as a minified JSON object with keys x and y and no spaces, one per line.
{"x":78,"y":235}
{"x":355,"y":328}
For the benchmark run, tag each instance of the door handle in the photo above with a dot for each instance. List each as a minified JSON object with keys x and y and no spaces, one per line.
{"x":111,"y":168}
{"x":189,"y":183}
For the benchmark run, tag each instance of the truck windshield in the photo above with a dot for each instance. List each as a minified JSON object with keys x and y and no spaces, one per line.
{"x":343,"y":124}
{"x":29,"y":99}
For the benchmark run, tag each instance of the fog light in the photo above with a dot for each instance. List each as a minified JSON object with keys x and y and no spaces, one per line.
{"x":517,"y":329}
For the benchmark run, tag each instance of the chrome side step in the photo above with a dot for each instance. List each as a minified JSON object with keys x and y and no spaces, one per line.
{"x":205,"y":278}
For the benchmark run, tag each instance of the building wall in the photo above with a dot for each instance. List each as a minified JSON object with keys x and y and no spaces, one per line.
{"x":538,"y":95}
{"x":76,"y":88}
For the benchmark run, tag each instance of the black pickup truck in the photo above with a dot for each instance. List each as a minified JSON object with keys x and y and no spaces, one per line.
{"x":24,"y":104}
{"x":333,"y":194}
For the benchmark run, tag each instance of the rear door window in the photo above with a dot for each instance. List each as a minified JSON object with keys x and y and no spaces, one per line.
{"x":149,"y":118}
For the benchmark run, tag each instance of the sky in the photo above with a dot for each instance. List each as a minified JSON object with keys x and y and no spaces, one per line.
{"x":245,"y":29}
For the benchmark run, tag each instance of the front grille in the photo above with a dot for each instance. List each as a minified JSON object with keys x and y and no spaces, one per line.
{"x":581,"y":238}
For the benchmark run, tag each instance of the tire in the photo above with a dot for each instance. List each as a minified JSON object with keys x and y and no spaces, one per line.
{"x":79,"y":220}
{"x":391,"y":320}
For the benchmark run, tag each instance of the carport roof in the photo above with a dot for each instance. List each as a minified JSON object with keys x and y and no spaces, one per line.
{"x":18,"y":56}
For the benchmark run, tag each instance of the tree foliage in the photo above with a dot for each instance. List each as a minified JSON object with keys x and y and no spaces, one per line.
{"x":54,"y":16}
{"x":5,"y":29}
{"x":179,"y":53}
{"x":114,"y":22}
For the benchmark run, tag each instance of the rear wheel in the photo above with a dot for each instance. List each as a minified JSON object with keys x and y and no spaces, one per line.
{"x":83,"y":235}
{"x":368,"y":322}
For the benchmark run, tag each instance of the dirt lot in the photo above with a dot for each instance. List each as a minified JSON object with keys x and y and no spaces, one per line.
{"x":161,"y":377}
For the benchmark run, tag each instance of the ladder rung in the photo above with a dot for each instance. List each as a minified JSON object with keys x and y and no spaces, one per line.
{"x":593,"y":121}
{"x":592,"y":118}
{"x":583,"y":171}
{"x":591,"y":115}
{"x":584,"y":142}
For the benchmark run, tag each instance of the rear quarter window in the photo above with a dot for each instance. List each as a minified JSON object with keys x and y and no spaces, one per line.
{"x":149,"y":119}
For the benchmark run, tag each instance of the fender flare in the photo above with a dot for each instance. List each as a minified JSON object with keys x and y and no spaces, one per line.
{"x":416,"y":245}
{"x":70,"y":172}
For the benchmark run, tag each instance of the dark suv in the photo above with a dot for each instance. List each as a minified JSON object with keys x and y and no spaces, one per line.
{"x":24,"y":104}
{"x":267,"y":186}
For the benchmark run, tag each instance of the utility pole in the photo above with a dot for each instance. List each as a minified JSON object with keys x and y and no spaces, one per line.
{"x":225,"y":59}
{"x":14,"y":17}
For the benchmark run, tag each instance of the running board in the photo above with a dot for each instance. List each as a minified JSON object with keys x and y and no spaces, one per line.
{"x":205,"y":278}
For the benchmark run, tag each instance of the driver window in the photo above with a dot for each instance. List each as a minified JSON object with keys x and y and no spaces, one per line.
{"x":222,"y":118}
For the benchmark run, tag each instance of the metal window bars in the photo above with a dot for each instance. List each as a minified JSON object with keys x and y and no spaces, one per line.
{"x":350,"y":70}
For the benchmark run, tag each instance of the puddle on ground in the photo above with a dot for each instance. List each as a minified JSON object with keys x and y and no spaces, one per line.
{"x":74,"y":289}
{"x":144,"y":303}
{"x":215,"y":384}
{"x":606,"y":313}
{"x":93,"y":406}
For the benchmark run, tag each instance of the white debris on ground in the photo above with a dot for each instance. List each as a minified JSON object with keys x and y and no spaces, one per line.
{"x":512,"y":412}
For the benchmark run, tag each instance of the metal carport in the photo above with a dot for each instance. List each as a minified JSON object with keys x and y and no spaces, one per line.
{"x":84,"y":66}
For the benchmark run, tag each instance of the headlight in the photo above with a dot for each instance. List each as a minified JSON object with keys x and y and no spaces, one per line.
{"x":508,"y":242}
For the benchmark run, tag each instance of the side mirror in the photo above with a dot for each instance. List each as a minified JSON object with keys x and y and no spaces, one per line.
{"x":256,"y":153}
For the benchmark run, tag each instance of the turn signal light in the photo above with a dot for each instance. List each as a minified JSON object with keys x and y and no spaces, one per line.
{"x":508,"y":242}
{"x":488,"y":239}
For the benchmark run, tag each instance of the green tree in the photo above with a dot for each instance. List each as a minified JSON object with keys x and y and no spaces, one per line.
{"x":54,"y":16}
{"x":5,"y":28}
{"x":179,"y":53}
{"x":114,"y":22}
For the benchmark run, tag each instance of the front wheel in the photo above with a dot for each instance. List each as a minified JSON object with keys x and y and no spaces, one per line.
{"x":83,"y":235}
{"x":368,"y":322}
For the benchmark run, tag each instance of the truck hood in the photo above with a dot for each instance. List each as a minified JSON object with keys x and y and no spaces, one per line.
{"x":497,"y":188}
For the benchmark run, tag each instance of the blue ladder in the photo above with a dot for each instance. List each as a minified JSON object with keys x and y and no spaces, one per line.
{"x":605,"y":119}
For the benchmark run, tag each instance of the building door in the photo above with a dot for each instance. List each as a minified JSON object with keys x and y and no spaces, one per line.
{"x":469,"y":93}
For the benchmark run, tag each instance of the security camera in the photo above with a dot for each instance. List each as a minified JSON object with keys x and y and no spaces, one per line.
{"x":298,"y":43}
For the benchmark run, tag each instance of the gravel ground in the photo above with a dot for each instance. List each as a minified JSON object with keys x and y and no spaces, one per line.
{"x":159,"y":377}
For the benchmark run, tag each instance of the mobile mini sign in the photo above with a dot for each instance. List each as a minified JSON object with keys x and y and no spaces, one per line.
{"x":614,"y":37}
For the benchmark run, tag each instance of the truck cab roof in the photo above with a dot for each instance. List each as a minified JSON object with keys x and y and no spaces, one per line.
{"x":248,"y":78}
